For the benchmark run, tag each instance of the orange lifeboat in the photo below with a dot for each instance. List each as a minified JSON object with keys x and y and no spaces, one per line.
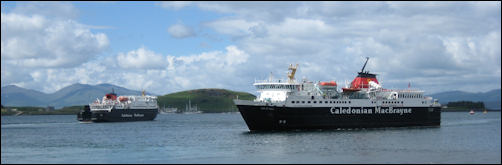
{"x":332,"y":83}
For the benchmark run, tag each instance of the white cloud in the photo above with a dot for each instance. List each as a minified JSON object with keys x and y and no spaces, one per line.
{"x":204,"y":70}
{"x":36,"y":41}
{"x":145,"y":69}
{"x":438,"y":46}
{"x":254,"y":11}
{"x":233,"y":27}
{"x":41,"y":45}
{"x":407,"y":41}
{"x":180,"y":31}
{"x":141,"y":59}
{"x":176,"y":5}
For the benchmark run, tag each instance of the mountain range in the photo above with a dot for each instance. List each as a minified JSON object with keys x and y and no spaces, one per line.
{"x":491,"y":99}
{"x":76,"y":94}
{"x":80,"y":94}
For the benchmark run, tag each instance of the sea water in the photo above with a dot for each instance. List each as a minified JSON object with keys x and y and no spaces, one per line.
{"x":225,"y":138}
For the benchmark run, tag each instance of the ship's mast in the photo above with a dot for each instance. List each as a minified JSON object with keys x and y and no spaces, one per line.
{"x":367,"y":58}
{"x":291,"y":75}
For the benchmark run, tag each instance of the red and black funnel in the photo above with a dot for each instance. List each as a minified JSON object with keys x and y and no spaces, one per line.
{"x":111,"y":96}
{"x":362,"y":80}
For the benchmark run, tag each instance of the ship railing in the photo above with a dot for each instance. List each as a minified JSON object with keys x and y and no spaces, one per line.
{"x":363,"y":86}
{"x":268,"y":101}
{"x":98,"y":107}
{"x":103,"y":104}
{"x":399,"y":90}
{"x":101,"y":110}
{"x":274,"y":81}
{"x":409,"y":90}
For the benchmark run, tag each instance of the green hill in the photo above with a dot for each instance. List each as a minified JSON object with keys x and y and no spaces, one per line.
{"x":208,"y":100}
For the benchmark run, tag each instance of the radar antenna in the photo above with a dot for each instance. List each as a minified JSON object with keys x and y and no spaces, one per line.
{"x":367,"y":58}
{"x":291,"y":75}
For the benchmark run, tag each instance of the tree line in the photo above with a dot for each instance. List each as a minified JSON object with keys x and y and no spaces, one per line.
{"x":466,"y":104}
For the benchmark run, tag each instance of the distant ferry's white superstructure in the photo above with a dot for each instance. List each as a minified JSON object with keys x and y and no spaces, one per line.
{"x":111,"y":101}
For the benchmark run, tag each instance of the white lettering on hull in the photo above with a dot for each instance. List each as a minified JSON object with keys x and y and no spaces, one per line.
{"x":126,"y":115}
{"x":132,"y":115}
{"x":378,"y":110}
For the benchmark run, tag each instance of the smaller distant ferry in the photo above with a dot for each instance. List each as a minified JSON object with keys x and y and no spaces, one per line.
{"x":123,"y":108}
{"x":471,"y":112}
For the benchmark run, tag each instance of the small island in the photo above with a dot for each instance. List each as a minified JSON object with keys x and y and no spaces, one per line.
{"x":464,"y":106}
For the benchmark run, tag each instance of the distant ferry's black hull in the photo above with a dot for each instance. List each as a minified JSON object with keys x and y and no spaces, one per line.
{"x":289,"y":118}
{"x":120,"y":115}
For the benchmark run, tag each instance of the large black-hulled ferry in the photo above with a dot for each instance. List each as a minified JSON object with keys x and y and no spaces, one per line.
{"x":288,"y":104}
{"x":124,"y":108}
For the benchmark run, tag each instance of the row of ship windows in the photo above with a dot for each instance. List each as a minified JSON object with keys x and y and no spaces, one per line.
{"x":392,"y":102}
{"x":276,"y":86}
{"x":320,"y":102}
{"x":409,"y":96}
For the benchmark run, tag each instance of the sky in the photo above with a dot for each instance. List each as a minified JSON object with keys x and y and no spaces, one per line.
{"x":165,"y":47}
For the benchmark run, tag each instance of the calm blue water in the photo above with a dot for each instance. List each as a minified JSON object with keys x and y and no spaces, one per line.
{"x":224,"y":138}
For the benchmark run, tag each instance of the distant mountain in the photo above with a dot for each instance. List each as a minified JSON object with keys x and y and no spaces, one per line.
{"x":75,"y":94}
{"x":490,"y":98}
{"x":14,"y":95}
{"x":208,"y":100}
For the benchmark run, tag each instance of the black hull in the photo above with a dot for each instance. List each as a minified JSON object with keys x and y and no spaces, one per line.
{"x":85,"y":114}
{"x":289,"y":118}
{"x":119,"y":115}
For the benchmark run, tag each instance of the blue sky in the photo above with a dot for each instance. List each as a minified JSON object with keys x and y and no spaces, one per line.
{"x":166,"y":47}
{"x":131,"y":23}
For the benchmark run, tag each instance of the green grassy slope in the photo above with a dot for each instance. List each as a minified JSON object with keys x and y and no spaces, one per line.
{"x":208,"y":100}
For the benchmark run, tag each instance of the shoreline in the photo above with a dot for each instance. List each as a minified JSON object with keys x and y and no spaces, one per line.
{"x":67,"y":113}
